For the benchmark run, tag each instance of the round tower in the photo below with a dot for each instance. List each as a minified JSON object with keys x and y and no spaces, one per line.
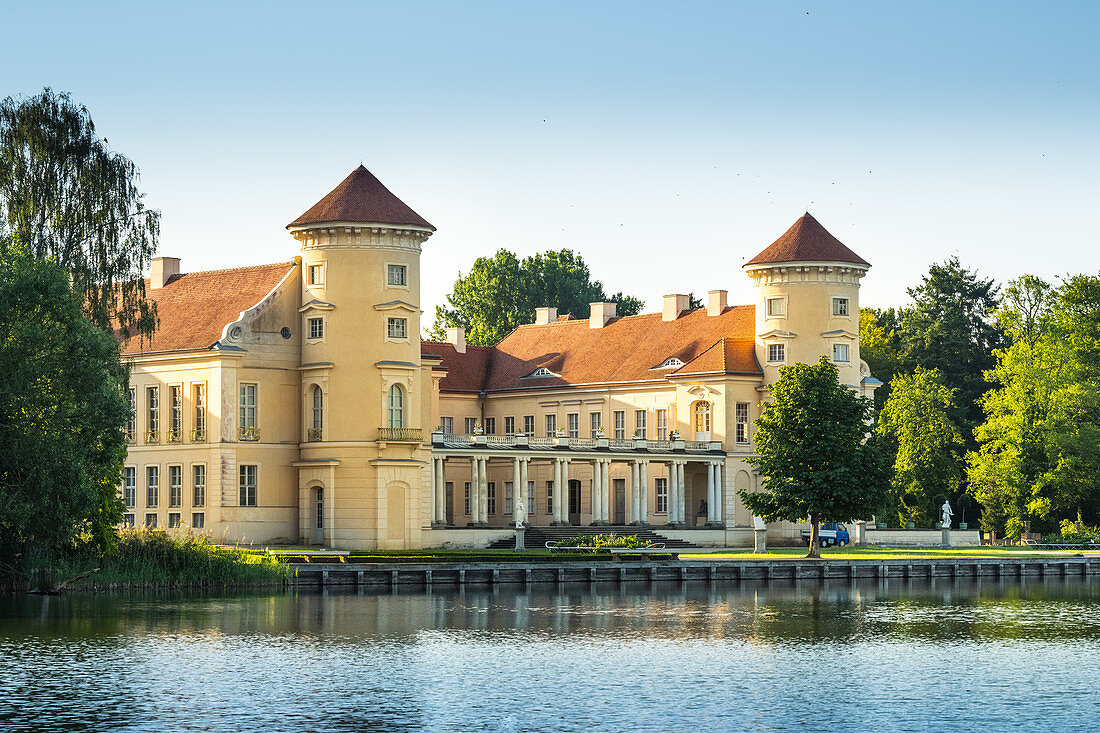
{"x":807,"y":304}
{"x":362,"y":386}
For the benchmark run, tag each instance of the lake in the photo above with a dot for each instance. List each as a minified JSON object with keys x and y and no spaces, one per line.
{"x":949,"y":655}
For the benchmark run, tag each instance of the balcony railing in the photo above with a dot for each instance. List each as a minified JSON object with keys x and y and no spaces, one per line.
{"x":152,"y":437}
{"x":130,"y":437}
{"x":173,"y":435}
{"x":521,"y":441}
{"x":313,"y":435}
{"x":198,"y":435}
{"x":248,"y":433}
{"x":400,"y":435}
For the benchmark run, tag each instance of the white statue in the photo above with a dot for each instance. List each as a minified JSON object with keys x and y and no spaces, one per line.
{"x":947,"y":514}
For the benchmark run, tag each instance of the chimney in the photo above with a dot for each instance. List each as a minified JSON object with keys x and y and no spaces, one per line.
{"x":716,"y":302}
{"x":457,"y":337}
{"x":673,"y":306}
{"x":601,"y":314}
{"x":163,"y":269}
{"x":545,"y":315}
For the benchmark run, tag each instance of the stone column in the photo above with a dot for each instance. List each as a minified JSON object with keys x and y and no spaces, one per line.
{"x":643,"y":493}
{"x":519,"y":493}
{"x":441,"y":491}
{"x":605,"y":481}
{"x":599,"y":497}
{"x":710,"y":493}
{"x":483,"y":490}
{"x":632,"y":510}
{"x":516,"y":462}
{"x":672,"y":493}
{"x":475,"y":511}
{"x":557,"y":492}
{"x":565,"y":492}
{"x":681,"y":493}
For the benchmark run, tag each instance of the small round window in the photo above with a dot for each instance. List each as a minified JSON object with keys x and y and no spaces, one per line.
{"x":285,"y":333}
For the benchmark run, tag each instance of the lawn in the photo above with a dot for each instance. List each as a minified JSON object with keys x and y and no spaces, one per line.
{"x":883,"y":553}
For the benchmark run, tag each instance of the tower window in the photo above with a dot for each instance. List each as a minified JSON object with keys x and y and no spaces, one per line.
{"x":316,"y":328}
{"x":840,"y":353}
{"x":777,"y":307}
{"x":397,"y":275}
{"x":777,"y":352}
{"x":316,"y":274}
{"x":397,"y":406}
{"x":840,"y":306}
{"x":396,"y":328}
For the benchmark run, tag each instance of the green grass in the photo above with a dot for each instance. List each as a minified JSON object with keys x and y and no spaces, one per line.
{"x":883,"y":553}
{"x":151,"y":559}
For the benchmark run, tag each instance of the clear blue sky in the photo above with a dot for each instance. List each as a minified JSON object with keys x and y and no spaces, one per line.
{"x":666,"y":142}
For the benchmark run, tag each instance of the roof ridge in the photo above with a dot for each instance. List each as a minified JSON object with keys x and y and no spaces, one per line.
{"x":236,"y":269}
{"x":636,"y":315}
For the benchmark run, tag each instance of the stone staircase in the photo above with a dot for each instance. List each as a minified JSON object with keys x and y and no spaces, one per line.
{"x":537,"y":537}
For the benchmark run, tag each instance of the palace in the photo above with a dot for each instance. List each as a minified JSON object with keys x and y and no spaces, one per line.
{"x":296,"y":401}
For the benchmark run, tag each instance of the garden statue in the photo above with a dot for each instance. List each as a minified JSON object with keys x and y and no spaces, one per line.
{"x":947,"y":514}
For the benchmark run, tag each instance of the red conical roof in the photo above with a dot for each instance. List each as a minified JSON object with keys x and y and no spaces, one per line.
{"x":361,"y":198}
{"x":807,"y":241}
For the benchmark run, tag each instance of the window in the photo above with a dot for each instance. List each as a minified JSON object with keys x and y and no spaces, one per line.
{"x":175,"y":486}
{"x":840,"y":306}
{"x":131,"y":416}
{"x":530,"y":498}
{"x":490,"y":426}
{"x":152,"y":425}
{"x":397,"y":406}
{"x":776,"y":352}
{"x":395,"y":328}
{"x":529,"y":425}
{"x":447,"y":424}
{"x":549,"y":497}
{"x":248,"y":485}
{"x":661,"y":486}
{"x":639,"y":423}
{"x":509,"y":426}
{"x":151,"y":521}
{"x":316,"y":328}
{"x":742,"y":411}
{"x":491,"y":498}
{"x":670,"y":363}
{"x":198,"y":497}
{"x":662,"y":424}
{"x":466,"y":499}
{"x":551,"y":425}
{"x":508,"y":497}
{"x":175,"y":408}
{"x":541,"y":372}
{"x":173,"y":520}
{"x":620,"y":425}
{"x":248,"y":412}
{"x":397,"y":275}
{"x":129,"y":487}
{"x":840,"y":353}
{"x":596,"y":419}
{"x":573,"y":419}
{"x":470,"y":425}
{"x":702,"y":418}
{"x":316,"y":274}
{"x":318,"y":413}
{"x":128,"y":520}
{"x":152,"y":486}
{"x":198,"y":520}
{"x":198,"y":399}
{"x":777,"y":307}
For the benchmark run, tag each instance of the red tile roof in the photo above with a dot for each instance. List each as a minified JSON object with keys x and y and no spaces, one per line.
{"x":194,"y":307}
{"x":807,"y":241}
{"x":361,"y":198}
{"x":625,"y":350}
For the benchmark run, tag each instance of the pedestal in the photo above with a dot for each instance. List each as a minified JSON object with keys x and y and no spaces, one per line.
{"x":760,"y":541}
{"x":520,"y":547}
{"x":945,"y":535}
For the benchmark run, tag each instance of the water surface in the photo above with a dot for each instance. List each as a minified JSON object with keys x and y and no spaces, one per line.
{"x":950,"y":655}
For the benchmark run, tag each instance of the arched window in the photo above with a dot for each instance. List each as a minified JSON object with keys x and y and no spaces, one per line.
{"x":397,"y":406}
{"x":318,"y":407}
{"x":702,"y":420}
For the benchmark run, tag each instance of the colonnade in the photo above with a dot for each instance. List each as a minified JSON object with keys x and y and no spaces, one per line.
{"x":602,"y":498}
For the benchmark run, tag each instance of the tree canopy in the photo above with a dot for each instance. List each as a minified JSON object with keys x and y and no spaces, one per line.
{"x":67,"y":196}
{"x":62,"y":412}
{"x":502,"y":292}
{"x":815,"y":452}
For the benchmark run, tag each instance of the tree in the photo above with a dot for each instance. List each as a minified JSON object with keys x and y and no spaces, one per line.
{"x":917,"y":418}
{"x":62,"y":413}
{"x":880,"y":347}
{"x":816,"y":452}
{"x":501,"y":292}
{"x":949,"y":328}
{"x":67,"y":196}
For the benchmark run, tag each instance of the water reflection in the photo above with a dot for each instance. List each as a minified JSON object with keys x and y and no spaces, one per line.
{"x":609,"y":656}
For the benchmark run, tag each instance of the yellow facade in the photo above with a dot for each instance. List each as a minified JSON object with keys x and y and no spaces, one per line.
{"x":318,"y":416}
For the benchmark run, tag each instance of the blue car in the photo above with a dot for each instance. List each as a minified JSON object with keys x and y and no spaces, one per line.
{"x":830,"y":534}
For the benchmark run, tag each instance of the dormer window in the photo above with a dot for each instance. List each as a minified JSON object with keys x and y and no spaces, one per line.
{"x":540,"y":372}
{"x":670,"y":363}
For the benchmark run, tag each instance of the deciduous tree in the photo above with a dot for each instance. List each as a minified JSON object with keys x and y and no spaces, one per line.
{"x":816,"y":452}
